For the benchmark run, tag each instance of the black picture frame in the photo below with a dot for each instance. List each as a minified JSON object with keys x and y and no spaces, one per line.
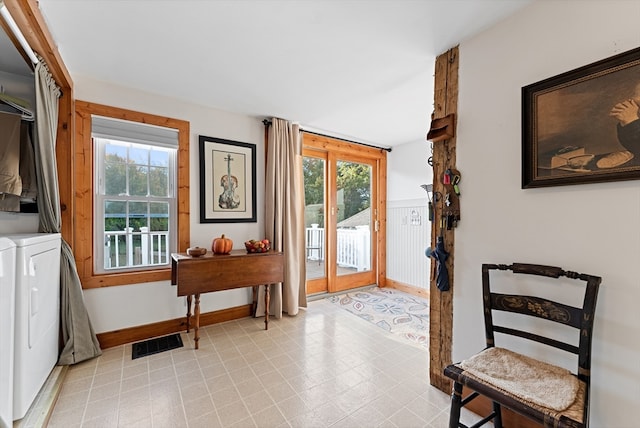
{"x":570,"y":134}
{"x":227,"y":181}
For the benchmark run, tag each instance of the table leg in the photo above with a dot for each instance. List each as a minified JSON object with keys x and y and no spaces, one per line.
{"x":267,"y":298}
{"x":254,"y":301}
{"x":189,"y":297}
{"x":196,"y":328}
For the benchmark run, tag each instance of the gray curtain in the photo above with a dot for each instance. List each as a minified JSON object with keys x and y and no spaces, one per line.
{"x":80,"y":342}
{"x":284,"y":215}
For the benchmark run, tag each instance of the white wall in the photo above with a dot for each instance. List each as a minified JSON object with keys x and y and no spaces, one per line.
{"x":112,"y":308}
{"x":591,"y":228}
{"x":407,"y":169}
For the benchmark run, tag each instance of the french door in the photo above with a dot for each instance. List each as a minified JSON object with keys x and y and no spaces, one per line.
{"x":342,"y":214}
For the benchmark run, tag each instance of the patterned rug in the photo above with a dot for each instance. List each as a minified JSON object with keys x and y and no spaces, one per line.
{"x":399,"y":313}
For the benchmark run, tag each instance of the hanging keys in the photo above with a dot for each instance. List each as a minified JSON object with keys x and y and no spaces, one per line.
{"x":450,"y":205}
{"x":446,"y":178}
{"x":455,"y":181}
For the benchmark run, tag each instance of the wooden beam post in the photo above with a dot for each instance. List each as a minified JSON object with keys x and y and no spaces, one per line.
{"x":444,"y":156}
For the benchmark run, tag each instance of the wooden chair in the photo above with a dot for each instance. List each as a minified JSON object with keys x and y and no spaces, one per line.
{"x":501,"y":375}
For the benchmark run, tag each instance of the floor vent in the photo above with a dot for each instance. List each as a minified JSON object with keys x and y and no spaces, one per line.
{"x":155,"y":346}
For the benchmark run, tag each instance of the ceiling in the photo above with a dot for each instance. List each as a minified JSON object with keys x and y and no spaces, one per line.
{"x":356,"y":69}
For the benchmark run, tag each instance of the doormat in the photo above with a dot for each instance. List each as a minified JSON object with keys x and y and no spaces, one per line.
{"x":156,"y":345}
{"x":397,"y":312}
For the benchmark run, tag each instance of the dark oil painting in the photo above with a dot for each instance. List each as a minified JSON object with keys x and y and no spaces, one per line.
{"x":583,"y":126}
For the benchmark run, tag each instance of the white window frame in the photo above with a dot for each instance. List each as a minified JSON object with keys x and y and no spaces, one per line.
{"x":128,"y":134}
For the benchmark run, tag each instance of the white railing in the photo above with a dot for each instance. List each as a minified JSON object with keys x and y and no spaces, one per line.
{"x":128,"y":248}
{"x":353,"y":249}
{"x":315,"y":242}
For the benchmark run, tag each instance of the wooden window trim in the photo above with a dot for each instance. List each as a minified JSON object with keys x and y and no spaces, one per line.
{"x":83,"y":174}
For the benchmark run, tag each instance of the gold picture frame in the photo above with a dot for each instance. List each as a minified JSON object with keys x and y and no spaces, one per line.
{"x":579,"y":127}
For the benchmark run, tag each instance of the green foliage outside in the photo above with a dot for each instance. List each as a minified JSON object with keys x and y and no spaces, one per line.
{"x":124,"y":177}
{"x":313,"y":173}
{"x":353,"y":179}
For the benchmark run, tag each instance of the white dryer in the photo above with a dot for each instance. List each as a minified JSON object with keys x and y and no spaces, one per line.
{"x":37,"y":315}
{"x":7,"y":305}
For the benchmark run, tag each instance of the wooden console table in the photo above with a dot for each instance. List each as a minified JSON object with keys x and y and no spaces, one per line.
{"x":216,"y":272}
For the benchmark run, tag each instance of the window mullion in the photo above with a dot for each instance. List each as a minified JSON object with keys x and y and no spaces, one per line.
{"x":127,"y":178}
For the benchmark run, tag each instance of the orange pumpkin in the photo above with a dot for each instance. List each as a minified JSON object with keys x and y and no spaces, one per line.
{"x":221,"y":245}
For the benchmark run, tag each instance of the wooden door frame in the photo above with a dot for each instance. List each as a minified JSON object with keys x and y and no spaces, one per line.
{"x":323,"y":143}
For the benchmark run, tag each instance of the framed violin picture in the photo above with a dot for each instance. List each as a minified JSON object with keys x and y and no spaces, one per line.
{"x":227,"y":181}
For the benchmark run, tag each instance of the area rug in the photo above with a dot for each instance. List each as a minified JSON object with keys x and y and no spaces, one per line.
{"x":397,"y":312}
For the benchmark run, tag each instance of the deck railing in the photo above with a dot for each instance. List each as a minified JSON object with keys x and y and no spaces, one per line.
{"x":353,"y":246}
{"x":142,"y":248}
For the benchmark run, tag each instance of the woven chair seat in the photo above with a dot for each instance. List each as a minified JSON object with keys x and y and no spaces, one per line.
{"x":496,"y":369}
{"x":530,"y":380}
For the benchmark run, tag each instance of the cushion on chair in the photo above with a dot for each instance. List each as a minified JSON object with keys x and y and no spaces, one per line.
{"x":528,"y":379}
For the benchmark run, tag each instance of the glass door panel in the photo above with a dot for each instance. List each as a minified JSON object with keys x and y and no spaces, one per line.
{"x":314,"y":171}
{"x":353,"y":228}
{"x":353,"y":263}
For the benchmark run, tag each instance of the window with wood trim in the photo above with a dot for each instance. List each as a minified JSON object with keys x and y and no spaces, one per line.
{"x":149,"y":156}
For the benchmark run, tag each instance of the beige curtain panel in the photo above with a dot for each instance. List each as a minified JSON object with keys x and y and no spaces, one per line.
{"x":284,"y":216}
{"x":80,"y":341}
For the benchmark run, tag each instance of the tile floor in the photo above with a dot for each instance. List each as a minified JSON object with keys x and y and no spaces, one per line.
{"x":322,"y":368}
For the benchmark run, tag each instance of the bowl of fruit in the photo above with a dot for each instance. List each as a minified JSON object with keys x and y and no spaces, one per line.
{"x":261,"y":246}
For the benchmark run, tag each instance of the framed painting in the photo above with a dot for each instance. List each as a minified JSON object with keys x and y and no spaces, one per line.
{"x":227,"y":181}
{"x":583,"y":126}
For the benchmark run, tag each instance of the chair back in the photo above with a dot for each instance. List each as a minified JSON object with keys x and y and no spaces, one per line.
{"x":580,"y":318}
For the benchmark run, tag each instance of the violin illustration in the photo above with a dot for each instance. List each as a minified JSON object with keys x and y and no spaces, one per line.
{"x":229,"y":199}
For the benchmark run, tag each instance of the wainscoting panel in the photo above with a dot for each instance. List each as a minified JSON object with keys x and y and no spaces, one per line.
{"x":408,"y":235}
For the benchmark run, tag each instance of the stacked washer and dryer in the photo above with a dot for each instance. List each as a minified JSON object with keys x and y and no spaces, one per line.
{"x":29,"y":339}
{"x":7,"y":305}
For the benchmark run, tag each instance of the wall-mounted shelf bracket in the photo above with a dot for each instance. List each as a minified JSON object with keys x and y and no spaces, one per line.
{"x":442,"y":128}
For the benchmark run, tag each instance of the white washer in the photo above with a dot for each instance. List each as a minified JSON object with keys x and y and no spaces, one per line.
{"x":7,"y":305}
{"x":37,"y":315}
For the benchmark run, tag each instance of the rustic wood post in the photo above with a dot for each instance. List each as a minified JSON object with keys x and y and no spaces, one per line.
{"x":444,"y":156}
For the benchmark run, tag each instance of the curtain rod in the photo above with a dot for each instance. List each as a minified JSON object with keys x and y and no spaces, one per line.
{"x":267,"y":122}
{"x":17,"y":33}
